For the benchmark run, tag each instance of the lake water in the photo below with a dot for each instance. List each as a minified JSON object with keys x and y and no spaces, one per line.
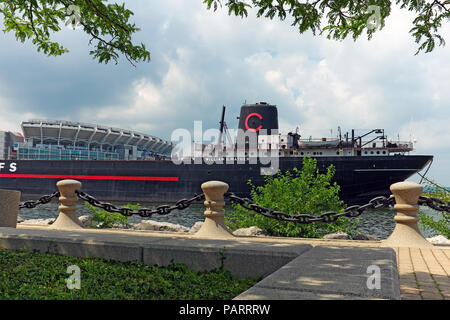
{"x":379,"y":223}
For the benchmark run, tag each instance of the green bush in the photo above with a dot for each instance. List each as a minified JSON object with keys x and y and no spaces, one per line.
{"x":441,"y":226}
{"x":104,"y":219}
{"x":43,"y":276}
{"x":294,"y":192}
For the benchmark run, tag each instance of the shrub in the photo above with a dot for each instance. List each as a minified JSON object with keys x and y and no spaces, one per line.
{"x":104,"y":219}
{"x":294,"y":192}
{"x":441,"y":226}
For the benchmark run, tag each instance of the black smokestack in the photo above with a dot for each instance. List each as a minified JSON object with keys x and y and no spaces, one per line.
{"x":255,"y":117}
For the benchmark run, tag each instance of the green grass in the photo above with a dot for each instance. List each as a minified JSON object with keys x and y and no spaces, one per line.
{"x":39,"y":276}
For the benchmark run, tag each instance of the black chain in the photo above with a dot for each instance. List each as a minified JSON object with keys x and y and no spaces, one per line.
{"x":143,"y":212}
{"x":327,"y":217}
{"x":434,"y":203}
{"x":42,"y":200}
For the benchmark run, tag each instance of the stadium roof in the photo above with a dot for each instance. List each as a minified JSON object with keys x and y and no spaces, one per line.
{"x":77,"y":133}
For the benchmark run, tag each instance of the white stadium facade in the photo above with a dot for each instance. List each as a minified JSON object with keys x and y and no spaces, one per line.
{"x":75,"y":140}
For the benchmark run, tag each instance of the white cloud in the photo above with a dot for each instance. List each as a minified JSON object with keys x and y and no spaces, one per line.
{"x":202,"y":59}
{"x":11,"y":116}
{"x":153,"y":106}
{"x":431,"y":134}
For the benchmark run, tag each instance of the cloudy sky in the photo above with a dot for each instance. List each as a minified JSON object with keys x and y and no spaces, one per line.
{"x":202,"y":60}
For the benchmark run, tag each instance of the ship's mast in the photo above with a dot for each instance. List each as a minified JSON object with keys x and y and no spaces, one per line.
{"x":222,"y":124}
{"x":223,"y":127}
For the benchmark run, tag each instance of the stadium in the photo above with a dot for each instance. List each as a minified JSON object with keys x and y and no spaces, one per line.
{"x":67,"y":140}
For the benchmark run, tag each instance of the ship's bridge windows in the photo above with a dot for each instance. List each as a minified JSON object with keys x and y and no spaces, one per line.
{"x":384,"y":151}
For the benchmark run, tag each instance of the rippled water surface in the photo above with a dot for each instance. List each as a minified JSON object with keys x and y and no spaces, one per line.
{"x":379,"y":223}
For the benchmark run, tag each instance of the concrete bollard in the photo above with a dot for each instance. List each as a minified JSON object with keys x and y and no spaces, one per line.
{"x":214,"y":226}
{"x":9,"y":208}
{"x":406,"y":232}
{"x":67,"y":218}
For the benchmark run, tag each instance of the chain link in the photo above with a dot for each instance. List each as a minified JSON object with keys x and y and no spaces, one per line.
{"x":434,"y":203}
{"x":327,"y":217}
{"x":143,"y":212}
{"x":42,"y":200}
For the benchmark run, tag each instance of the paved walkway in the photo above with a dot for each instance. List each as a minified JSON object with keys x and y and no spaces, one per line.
{"x":424,"y":273}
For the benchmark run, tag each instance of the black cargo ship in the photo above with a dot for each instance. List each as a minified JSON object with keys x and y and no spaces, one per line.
{"x":117,"y":164}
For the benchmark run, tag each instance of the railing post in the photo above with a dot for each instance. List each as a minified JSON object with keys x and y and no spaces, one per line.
{"x":214,"y":226}
{"x":67,"y":218}
{"x":9,"y":208}
{"x":406,"y":232}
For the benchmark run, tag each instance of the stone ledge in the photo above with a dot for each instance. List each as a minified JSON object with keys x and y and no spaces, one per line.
{"x":240,"y":257}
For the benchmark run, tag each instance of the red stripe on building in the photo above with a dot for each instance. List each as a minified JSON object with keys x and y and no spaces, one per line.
{"x":55,"y":176}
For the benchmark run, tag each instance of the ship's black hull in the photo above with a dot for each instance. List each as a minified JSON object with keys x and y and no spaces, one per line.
{"x":360,"y":178}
